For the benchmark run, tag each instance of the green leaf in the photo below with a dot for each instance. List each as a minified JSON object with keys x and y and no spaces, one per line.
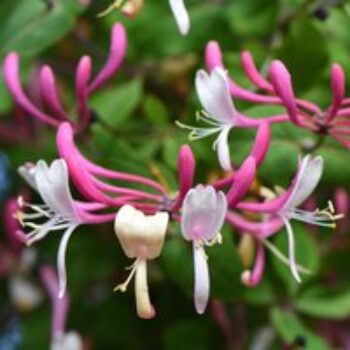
{"x":186,"y":335}
{"x":225,"y":268}
{"x":289,"y":328}
{"x":252,"y":17}
{"x":305,"y":62}
{"x":319,"y":302}
{"x":176,"y":259}
{"x":156,"y":111}
{"x":116,"y":105}
{"x":30,"y":27}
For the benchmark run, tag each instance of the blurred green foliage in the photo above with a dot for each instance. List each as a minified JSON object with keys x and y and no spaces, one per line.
{"x":135,"y":127}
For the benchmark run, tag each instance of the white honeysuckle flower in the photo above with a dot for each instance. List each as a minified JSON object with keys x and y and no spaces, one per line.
{"x":181,"y":15}
{"x":308,"y":177}
{"x":203,"y":214}
{"x":141,"y":237}
{"x":219,"y":112}
{"x":67,"y":341}
{"x":59,"y":212}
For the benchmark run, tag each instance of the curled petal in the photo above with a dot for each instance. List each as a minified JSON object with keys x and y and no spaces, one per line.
{"x":222,"y":147}
{"x":61,"y":261}
{"x":201,"y":279}
{"x":181,"y":15}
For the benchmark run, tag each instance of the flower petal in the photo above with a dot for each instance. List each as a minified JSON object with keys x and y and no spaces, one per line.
{"x":214,"y":95}
{"x":201,"y":282}
{"x":181,"y":15}
{"x":203,"y":213}
{"x":61,"y":261}
{"x":308,"y":177}
{"x":223,"y":150}
{"x":53,"y":185}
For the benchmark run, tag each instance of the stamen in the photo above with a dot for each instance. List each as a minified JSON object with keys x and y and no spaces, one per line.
{"x":123,"y":286}
{"x":280,"y":256}
{"x":216,"y":240}
{"x":115,"y":5}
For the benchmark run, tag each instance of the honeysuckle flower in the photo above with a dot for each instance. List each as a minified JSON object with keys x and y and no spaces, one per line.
{"x":278,"y":90}
{"x":60,"y":339}
{"x":60,"y":211}
{"x":285,"y":208}
{"x":52,"y":112}
{"x":141,"y":238}
{"x":203,"y":214}
{"x":221,"y":114}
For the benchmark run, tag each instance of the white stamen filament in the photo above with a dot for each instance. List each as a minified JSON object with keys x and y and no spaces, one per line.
{"x":280,"y":256}
{"x":291,"y":250}
{"x":124,"y":286}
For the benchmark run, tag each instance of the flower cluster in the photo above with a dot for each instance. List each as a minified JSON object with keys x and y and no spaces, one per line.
{"x":142,"y":208}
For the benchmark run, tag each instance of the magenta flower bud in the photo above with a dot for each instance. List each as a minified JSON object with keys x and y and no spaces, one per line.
{"x":186,"y":165}
{"x":338,"y":90}
{"x":49,"y":92}
{"x":282,"y":83}
{"x":116,"y":55}
{"x":12,"y":80}
{"x":213,"y":56}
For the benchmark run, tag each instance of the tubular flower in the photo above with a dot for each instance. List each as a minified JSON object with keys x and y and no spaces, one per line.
{"x":60,"y":211}
{"x":203,"y":214}
{"x":60,"y":340}
{"x":141,"y":238}
{"x":53,"y":112}
{"x":220,"y":113}
{"x":278,"y":90}
{"x":93,"y":180}
{"x":285,"y":207}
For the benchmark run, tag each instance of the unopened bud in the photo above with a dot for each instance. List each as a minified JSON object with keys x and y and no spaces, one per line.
{"x":246,"y":250}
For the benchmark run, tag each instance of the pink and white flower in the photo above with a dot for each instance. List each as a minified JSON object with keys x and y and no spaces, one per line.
{"x":203,"y":214}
